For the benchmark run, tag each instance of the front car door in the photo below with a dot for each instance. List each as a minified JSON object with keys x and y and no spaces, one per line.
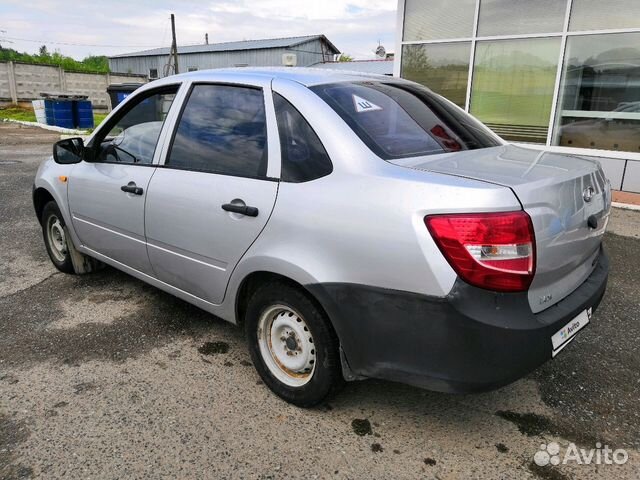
{"x":213,"y":195}
{"x":107,"y":194}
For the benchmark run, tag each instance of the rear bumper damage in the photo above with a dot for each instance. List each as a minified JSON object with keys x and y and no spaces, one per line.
{"x":471,"y":340}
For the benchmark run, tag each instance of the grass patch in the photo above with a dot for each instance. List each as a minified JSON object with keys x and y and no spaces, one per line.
{"x":99,"y":117}
{"x":18,"y":113}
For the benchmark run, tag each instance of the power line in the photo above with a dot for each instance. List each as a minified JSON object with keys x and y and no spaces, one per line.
{"x":44,"y":42}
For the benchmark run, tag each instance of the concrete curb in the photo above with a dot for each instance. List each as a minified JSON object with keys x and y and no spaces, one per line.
{"x":626,"y":206}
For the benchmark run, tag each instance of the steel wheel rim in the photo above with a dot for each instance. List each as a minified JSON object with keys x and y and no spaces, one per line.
{"x":57,"y":239}
{"x":286,"y":345}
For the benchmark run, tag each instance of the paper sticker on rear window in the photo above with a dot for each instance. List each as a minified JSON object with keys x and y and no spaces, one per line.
{"x":363,"y":105}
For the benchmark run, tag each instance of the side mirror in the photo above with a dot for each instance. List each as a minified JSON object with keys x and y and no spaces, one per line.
{"x":69,"y":150}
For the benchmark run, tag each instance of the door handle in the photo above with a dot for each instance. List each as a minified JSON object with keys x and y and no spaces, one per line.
{"x":132,"y":188}
{"x":241,"y":209}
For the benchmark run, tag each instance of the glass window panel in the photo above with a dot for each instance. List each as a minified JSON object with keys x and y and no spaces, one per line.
{"x":599,"y":105}
{"x":222,"y":130}
{"x":512,"y":89}
{"x":406,"y":120}
{"x":438,"y":19}
{"x":442,"y":67}
{"x":303,"y":156}
{"x":134,"y":137}
{"x":513,"y":17}
{"x":601,"y":15}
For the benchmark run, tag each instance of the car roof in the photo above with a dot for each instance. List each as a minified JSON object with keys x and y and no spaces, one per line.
{"x":303,"y":75}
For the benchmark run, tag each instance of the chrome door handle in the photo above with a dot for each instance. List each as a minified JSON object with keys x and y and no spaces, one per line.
{"x":241,"y":209}
{"x":132,"y":188}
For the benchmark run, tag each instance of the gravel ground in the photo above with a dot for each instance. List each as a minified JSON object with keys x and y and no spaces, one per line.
{"x":102,"y":376}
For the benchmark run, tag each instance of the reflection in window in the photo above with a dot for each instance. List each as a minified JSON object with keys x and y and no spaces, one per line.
{"x":443,"y":67}
{"x":438,"y":19}
{"x":222,"y":130}
{"x":303,"y":156}
{"x":600,"y":15}
{"x":599,"y":103}
{"x":134,"y":137}
{"x":511,"y":17}
{"x":512,"y":88}
{"x":401,"y":121}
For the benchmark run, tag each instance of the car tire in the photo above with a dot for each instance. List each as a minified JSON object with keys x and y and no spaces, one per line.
{"x":55,"y":239}
{"x":292,"y":344}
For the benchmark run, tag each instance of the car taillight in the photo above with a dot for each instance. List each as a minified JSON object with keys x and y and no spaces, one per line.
{"x":495,"y":251}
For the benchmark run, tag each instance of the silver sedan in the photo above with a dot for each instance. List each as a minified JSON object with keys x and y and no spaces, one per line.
{"x":355,"y":226}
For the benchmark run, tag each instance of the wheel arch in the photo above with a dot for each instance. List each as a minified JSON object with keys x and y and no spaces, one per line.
{"x":41,"y":196}
{"x":253,"y":280}
{"x":45,"y":191}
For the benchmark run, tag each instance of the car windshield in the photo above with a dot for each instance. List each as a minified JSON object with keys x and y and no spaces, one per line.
{"x":399,"y":120}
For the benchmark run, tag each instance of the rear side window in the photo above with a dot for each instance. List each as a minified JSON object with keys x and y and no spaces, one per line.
{"x":222,"y":130}
{"x":403,"y":120}
{"x":303,"y":156}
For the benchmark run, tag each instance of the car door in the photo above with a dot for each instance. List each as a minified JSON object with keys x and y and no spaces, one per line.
{"x":213,"y":195}
{"x":107,"y":194}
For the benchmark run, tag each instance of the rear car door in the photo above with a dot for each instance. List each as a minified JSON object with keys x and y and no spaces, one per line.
{"x":213,"y":195}
{"x":107,"y":194}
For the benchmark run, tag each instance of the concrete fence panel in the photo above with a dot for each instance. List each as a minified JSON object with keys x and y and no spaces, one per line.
{"x":22,"y":82}
{"x":5,"y":91}
{"x":95,"y":86}
{"x":33,"y":79}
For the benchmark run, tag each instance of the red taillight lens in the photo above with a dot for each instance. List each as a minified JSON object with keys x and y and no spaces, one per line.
{"x":495,"y":251}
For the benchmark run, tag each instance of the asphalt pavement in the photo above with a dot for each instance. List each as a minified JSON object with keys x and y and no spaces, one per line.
{"x":102,"y":376}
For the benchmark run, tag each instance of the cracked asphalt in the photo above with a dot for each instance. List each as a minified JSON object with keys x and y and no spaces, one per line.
{"x":102,"y":376}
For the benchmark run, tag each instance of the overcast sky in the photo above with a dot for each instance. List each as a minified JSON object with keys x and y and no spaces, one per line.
{"x":120,"y":26}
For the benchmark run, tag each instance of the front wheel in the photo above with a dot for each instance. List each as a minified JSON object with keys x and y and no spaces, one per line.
{"x":55,"y":238}
{"x":292,"y":344}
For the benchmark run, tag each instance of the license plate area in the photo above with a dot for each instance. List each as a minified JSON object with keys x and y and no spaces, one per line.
{"x":566,"y":334}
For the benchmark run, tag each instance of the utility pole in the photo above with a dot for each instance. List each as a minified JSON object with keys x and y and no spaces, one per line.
{"x":174,"y":45}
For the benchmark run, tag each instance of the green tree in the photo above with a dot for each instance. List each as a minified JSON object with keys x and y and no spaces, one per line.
{"x":90,"y":64}
{"x":345,"y":57}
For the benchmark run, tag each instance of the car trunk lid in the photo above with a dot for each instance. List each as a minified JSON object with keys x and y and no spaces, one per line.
{"x":567,"y":197}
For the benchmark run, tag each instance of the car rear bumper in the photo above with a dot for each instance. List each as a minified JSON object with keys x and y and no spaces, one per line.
{"x":471,"y":340}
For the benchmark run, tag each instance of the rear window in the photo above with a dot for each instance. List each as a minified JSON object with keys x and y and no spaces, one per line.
{"x":404,"y":120}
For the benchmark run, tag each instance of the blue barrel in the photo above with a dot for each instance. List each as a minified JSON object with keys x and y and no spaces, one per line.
{"x":83,"y":113}
{"x":59,"y":113}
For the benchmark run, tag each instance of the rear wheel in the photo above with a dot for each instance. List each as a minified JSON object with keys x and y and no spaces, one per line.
{"x":292,"y":344}
{"x":55,"y":238}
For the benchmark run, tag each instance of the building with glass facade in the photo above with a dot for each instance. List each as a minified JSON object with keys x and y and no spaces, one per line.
{"x":564,"y":74}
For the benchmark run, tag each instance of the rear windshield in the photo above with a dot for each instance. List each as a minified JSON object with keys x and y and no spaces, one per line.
{"x":398,"y":120}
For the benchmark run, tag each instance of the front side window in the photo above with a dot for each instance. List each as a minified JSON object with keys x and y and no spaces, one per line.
{"x":222,"y":130}
{"x":399,"y":120}
{"x":134,"y":136}
{"x":303,"y":156}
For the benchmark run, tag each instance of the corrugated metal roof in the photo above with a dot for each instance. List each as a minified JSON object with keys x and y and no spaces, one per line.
{"x":380,"y":67}
{"x":231,"y":46}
